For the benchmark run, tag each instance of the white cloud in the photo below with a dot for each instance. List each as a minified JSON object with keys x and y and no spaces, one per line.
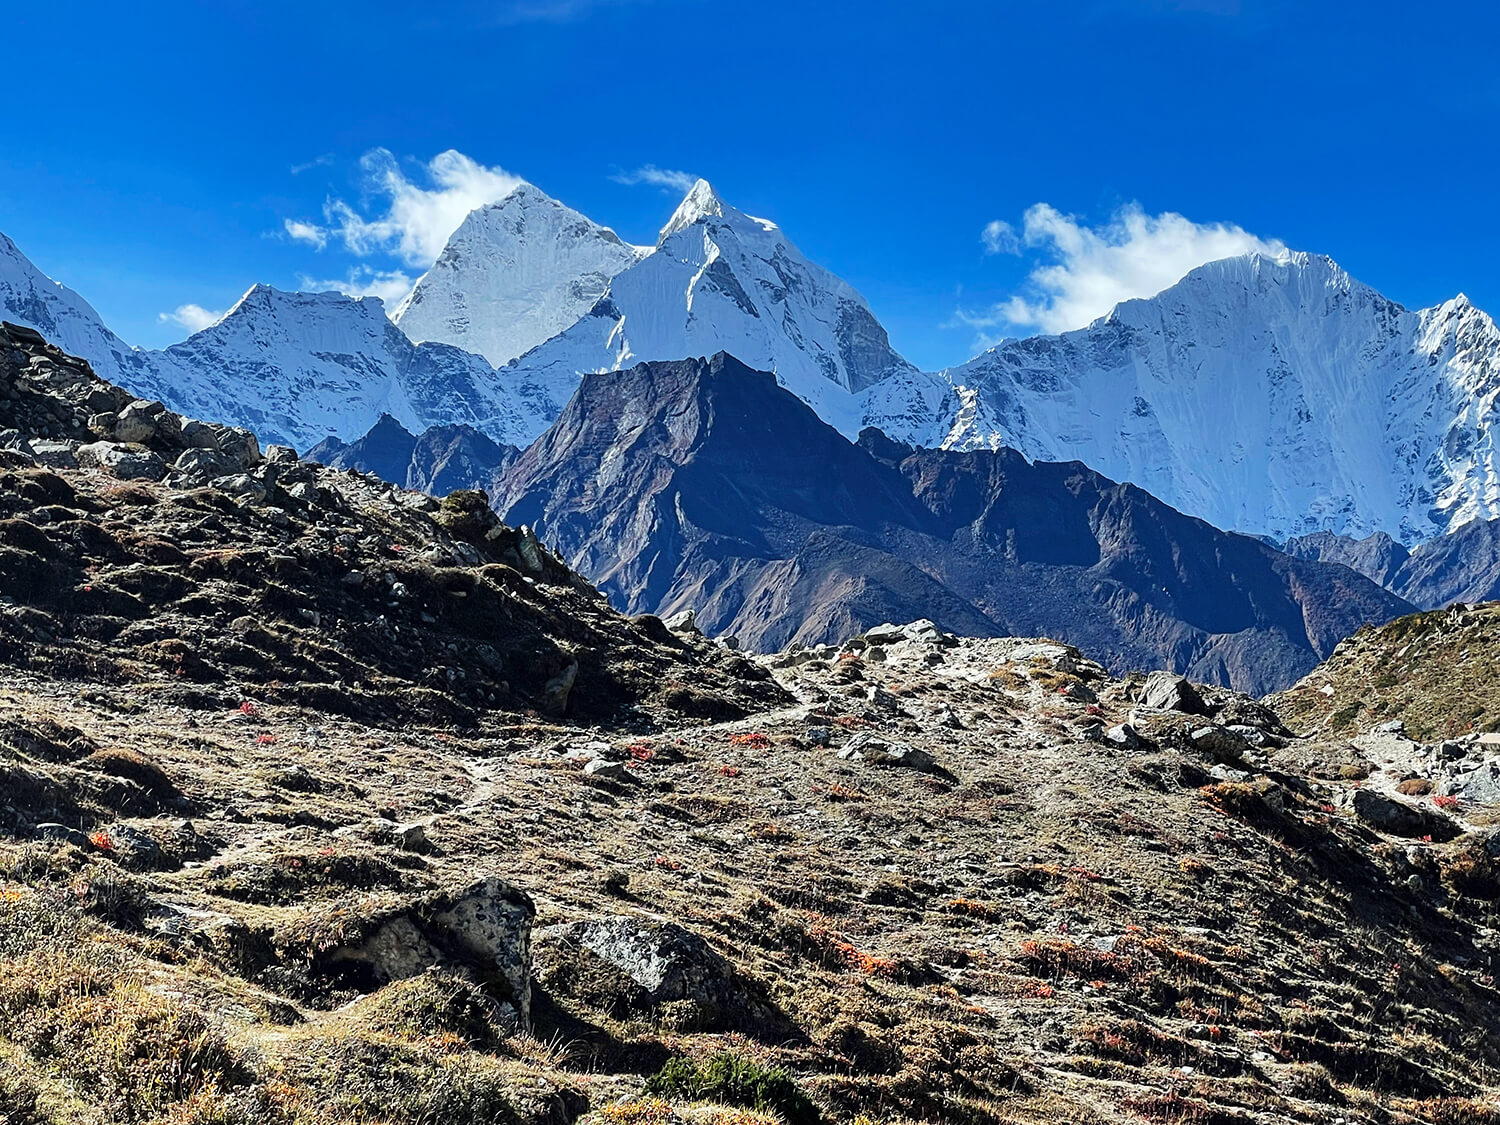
{"x":999,"y":237}
{"x":316,"y":162}
{"x":415,"y":220}
{"x":389,"y":285}
{"x":195,"y":318}
{"x":310,"y":233}
{"x":1092,"y":269}
{"x":665,"y":178}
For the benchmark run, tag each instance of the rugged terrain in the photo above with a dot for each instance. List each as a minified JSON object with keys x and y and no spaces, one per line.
{"x":324,"y":802}
{"x":702,"y":484}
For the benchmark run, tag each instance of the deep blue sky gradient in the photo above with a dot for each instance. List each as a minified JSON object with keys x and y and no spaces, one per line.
{"x":147,"y":156}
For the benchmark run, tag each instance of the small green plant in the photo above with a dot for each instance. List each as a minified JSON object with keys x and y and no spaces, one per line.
{"x":734,"y":1080}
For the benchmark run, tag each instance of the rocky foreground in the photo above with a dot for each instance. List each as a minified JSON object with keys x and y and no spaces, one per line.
{"x":321,"y":802}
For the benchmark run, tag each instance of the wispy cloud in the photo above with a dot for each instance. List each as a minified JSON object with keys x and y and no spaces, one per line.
{"x":667,"y":179}
{"x":513,"y":12}
{"x":310,"y":233}
{"x":415,"y":219}
{"x":999,"y":237}
{"x":195,"y":318}
{"x":1086,"y":270}
{"x":362,"y":281}
{"x":323,"y":161}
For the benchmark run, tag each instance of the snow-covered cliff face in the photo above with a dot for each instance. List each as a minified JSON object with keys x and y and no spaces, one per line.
{"x":295,"y":367}
{"x":298,"y":367}
{"x":30,"y":297}
{"x":1273,"y":396}
{"x":514,"y":274}
{"x":721,"y":280}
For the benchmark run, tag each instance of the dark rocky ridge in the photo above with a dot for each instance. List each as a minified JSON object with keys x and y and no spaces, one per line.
{"x":442,"y":460}
{"x":1462,"y":566}
{"x":187,"y":562}
{"x":703,"y":485}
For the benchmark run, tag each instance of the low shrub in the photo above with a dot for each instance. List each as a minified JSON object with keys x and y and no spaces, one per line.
{"x":738,"y":1081}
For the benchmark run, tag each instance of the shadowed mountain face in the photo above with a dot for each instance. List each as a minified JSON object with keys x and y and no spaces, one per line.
{"x":442,"y":460}
{"x":702,"y":484}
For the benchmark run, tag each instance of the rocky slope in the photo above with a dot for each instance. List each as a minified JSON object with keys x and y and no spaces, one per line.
{"x":141,"y":548}
{"x":514,"y":274}
{"x":1350,"y":413}
{"x":704,"y":485}
{"x":323,"y":803}
{"x":1431,"y":672}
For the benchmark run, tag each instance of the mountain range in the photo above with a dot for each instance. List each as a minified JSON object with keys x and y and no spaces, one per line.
{"x":1350,"y":414}
{"x":1273,"y":396}
{"x":702,"y":484}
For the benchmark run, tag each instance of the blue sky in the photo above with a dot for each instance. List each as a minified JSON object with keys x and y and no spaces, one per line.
{"x":155,"y":152}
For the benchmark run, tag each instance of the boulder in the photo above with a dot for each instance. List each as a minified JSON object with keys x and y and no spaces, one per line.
{"x":485,"y":927}
{"x":1401,"y":819}
{"x":627,"y":966}
{"x":867,"y":747}
{"x":121,"y":461}
{"x":1167,"y":691}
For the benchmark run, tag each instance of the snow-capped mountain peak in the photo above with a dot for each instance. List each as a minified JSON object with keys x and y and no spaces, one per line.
{"x":721,"y":280}
{"x":30,"y":297}
{"x":515,"y":273}
{"x":1273,"y":395}
{"x":701,"y":202}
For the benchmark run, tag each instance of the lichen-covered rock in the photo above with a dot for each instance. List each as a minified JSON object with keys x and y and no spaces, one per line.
{"x":630,"y":966}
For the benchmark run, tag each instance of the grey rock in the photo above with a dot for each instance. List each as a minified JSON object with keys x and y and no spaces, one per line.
{"x":1167,"y":691}
{"x":490,"y":921}
{"x":120,"y":461}
{"x":281,"y":455}
{"x":636,"y":965}
{"x":870,"y":748}
{"x":1124,"y":736}
{"x":1400,"y":819}
{"x":1393,"y":726}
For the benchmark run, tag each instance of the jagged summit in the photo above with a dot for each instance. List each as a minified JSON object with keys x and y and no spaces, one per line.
{"x":721,"y":280}
{"x":701,"y":202}
{"x":514,"y":274}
